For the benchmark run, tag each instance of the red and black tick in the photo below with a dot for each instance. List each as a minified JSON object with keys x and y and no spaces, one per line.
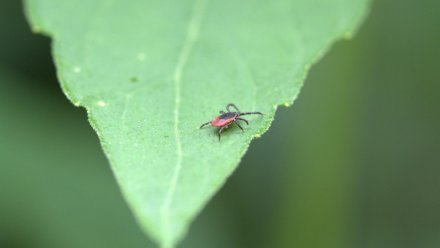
{"x":227,"y":118}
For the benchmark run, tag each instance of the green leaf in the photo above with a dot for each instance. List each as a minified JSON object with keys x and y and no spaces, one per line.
{"x":150,"y":73}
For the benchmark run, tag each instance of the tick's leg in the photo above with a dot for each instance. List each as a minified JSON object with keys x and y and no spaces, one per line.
{"x":205,"y":124}
{"x":241,"y":119}
{"x":232,"y":105}
{"x":222,"y":112}
{"x":220,"y":132}
{"x":236,"y":123}
{"x":251,"y":113}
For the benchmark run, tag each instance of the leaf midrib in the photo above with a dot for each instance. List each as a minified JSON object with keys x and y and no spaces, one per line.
{"x":191,"y":38}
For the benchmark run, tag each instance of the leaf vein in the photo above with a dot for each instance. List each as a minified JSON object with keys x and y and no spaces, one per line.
{"x":191,"y":37}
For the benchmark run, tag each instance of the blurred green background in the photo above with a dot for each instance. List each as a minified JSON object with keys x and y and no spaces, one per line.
{"x":354,"y":163}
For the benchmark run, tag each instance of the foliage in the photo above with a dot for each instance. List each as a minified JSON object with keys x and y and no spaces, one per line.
{"x":150,"y":72}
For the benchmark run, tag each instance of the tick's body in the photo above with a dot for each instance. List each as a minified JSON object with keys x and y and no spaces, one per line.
{"x":224,"y":119}
{"x":227,"y":118}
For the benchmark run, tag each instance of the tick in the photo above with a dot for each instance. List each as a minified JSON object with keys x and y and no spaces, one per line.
{"x":227,"y":118}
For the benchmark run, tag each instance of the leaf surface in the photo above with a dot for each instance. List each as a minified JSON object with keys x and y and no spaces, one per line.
{"x":150,"y":73}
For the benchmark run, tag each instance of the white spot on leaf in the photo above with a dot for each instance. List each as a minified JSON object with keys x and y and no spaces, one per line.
{"x":36,"y":29}
{"x":77,"y":69}
{"x":101,"y":103}
{"x":141,"y":56}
